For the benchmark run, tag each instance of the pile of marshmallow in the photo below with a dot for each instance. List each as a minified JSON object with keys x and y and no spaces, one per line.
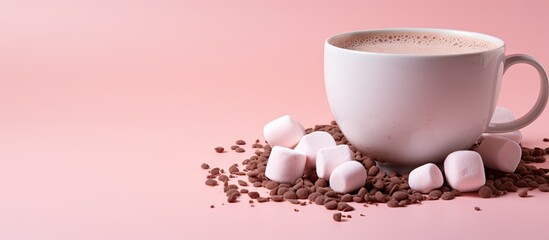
{"x":294,"y":153}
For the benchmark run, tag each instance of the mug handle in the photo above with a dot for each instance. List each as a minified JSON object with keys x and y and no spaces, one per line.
{"x":538,"y":107}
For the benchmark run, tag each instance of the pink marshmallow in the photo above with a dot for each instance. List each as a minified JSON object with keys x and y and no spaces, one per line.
{"x":502,"y":115}
{"x":464,"y":171}
{"x":285,"y":165}
{"x":311,"y":143}
{"x":283,"y":131}
{"x":425,"y":178}
{"x":327,"y":159}
{"x":348,"y":177}
{"x":500,"y":153}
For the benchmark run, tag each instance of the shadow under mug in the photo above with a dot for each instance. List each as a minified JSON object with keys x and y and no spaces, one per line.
{"x":404,"y":110}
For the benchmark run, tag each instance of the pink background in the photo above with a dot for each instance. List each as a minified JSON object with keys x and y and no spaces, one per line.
{"x":108,"y":108}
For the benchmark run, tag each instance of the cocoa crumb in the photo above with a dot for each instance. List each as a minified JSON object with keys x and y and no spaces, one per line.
{"x":219,"y":149}
{"x":478,"y":209}
{"x":205,"y":166}
{"x":240,"y":150}
{"x":523,"y":193}
{"x":337,"y":217}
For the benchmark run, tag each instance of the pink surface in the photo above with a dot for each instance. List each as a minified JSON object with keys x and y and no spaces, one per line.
{"x":107,"y":110}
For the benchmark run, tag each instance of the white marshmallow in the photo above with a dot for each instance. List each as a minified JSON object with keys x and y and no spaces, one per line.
{"x":464,"y":171}
{"x":285,"y":165}
{"x":502,"y":115}
{"x":311,"y":143}
{"x":515,"y":136}
{"x":500,"y":153}
{"x":348,"y":177}
{"x":283,"y":131}
{"x":425,"y":178}
{"x":327,"y":159}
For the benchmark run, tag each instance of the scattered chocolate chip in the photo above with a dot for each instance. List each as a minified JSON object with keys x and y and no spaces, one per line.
{"x":337,"y":217}
{"x":296,"y":210}
{"x":523,"y":193}
{"x":211,"y":182}
{"x":212,"y":206}
{"x":478,"y":209}
{"x":242,"y":183}
{"x":434,"y":194}
{"x":546,"y":139}
{"x":392,"y":203}
{"x":485,"y":192}
{"x":380,"y":187}
{"x":240,"y":142}
{"x":219,"y":149}
{"x":214,"y":171}
{"x":331,"y":205}
{"x":253,"y":195}
{"x":400,"y":195}
{"x":362,"y":215}
{"x":240,"y":150}
{"x":277,"y":198}
{"x":447,"y":196}
{"x":302,"y":193}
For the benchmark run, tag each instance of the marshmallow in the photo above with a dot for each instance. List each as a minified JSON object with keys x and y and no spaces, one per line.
{"x":425,"y":178}
{"x":464,"y":171}
{"x":502,"y":115}
{"x":285,"y":165}
{"x":500,"y":153}
{"x":348,"y":177}
{"x":283,"y":131}
{"x":311,"y":143}
{"x":515,"y":136}
{"x":327,"y":159}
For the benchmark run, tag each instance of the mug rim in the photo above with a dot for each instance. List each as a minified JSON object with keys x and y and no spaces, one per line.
{"x":500,"y":44}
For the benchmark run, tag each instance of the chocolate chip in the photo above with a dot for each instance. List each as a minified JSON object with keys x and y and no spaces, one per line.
{"x":234,"y":147}
{"x":485,"y":192}
{"x":447,"y":196}
{"x":277,"y":198}
{"x":240,"y":150}
{"x":546,"y":139}
{"x":302,"y":193}
{"x":271,"y":185}
{"x":219,"y":149}
{"x":253,"y":195}
{"x":320,"y":200}
{"x":337,"y":217}
{"x":211,"y":182}
{"x":321,"y":182}
{"x":214,"y":171}
{"x":331,"y":205}
{"x":290,"y":195}
{"x":205,"y":166}
{"x":523,"y":193}
{"x":347,"y":198}
{"x":242,"y":183}
{"x":478,"y":209}
{"x":240,"y":142}
{"x":434,"y":194}
{"x":400,"y":195}
{"x":392,"y":203}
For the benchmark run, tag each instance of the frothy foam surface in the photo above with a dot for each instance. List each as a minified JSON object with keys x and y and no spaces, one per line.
{"x":420,"y":43}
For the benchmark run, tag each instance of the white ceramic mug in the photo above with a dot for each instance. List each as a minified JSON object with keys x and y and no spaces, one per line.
{"x":405,"y":110}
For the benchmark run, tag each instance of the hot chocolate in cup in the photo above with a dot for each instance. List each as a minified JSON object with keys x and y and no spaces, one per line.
{"x":407,"y":97}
